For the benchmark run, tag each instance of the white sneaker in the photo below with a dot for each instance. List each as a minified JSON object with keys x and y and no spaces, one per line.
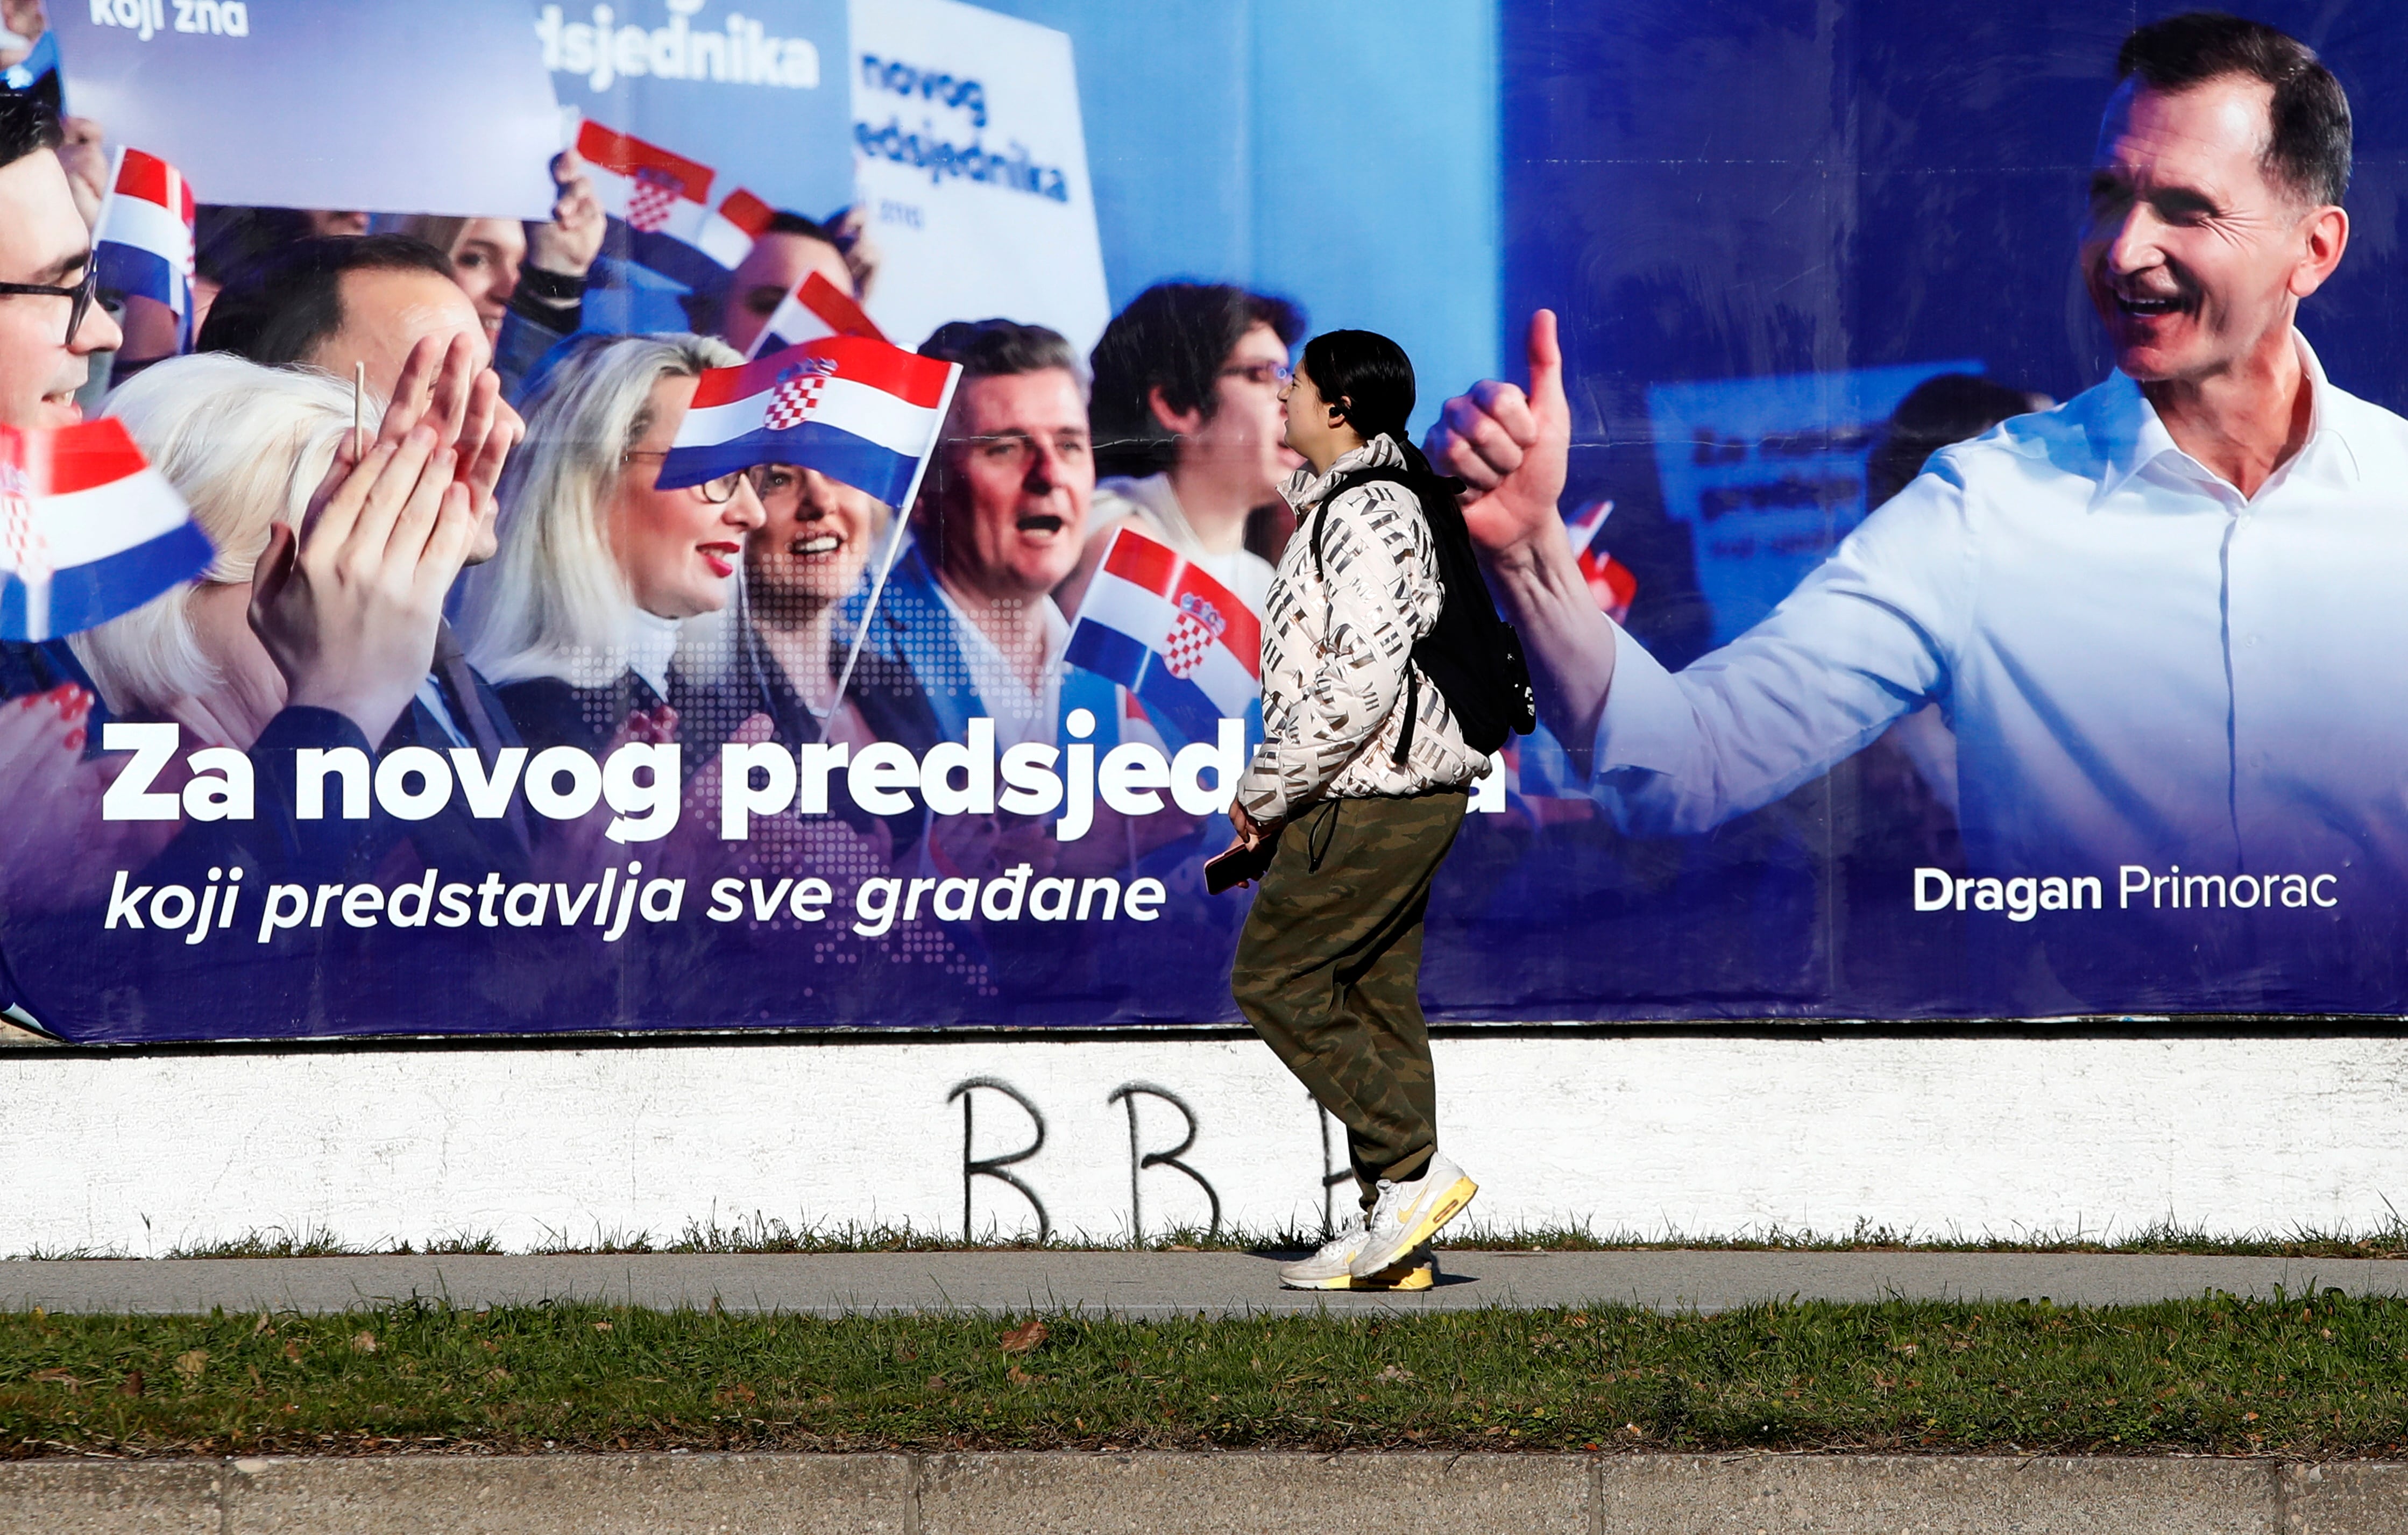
{"x":1407,"y":1215}
{"x":1331,"y":1268}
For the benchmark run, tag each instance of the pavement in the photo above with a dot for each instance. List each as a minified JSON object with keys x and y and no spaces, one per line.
{"x":1222,"y":1492}
{"x":1155,"y":1284}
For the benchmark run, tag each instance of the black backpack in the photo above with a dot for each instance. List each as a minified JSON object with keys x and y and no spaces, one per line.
{"x":1471,"y":653}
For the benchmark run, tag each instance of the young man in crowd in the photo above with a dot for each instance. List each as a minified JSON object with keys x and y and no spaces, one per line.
{"x":1187,"y":420}
{"x":789,"y":248}
{"x":336,"y":301}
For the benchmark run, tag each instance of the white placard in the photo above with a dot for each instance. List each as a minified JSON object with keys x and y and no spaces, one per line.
{"x":429,"y":107}
{"x":971,"y":166}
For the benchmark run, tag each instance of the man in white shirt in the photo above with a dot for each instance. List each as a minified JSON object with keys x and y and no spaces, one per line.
{"x":2163,"y":618}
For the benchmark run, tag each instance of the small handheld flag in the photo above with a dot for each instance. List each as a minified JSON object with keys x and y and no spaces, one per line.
{"x":747,"y":214}
{"x":143,"y":244}
{"x":88,"y":529}
{"x":657,"y":204}
{"x":1609,"y":581}
{"x":1178,"y":640}
{"x":816,"y":308}
{"x":854,"y":409}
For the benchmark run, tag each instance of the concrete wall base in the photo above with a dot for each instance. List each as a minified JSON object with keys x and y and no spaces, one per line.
{"x":1696,"y":1133}
{"x":1240,"y":1493}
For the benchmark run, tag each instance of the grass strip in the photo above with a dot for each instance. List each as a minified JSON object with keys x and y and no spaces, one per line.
{"x":2323,"y":1377}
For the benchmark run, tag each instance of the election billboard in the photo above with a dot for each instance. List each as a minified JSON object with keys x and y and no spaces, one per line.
{"x":1954,"y":540}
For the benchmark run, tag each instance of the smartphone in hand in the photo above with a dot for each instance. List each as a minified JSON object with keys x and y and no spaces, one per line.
{"x":1240,"y":864}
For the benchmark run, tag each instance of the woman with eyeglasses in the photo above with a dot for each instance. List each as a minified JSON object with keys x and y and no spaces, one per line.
{"x":579,"y":620}
{"x":811,"y":555}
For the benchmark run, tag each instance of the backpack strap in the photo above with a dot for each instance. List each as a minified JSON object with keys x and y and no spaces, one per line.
{"x":1320,"y":512}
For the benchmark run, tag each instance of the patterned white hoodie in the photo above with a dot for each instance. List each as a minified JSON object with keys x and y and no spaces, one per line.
{"x":1336,"y":651}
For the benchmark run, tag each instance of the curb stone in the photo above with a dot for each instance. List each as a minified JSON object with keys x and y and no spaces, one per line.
{"x":1256,"y":1493}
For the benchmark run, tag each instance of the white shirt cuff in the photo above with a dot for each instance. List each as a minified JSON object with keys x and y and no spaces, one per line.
{"x":1647,"y":722}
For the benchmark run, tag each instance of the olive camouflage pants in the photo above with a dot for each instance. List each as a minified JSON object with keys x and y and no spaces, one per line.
{"x":1328,"y":968}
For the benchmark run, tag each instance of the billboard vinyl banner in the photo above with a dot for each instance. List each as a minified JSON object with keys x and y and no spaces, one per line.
{"x":1946,"y":484}
{"x":436,"y":107}
{"x":757,"y":91}
{"x":966,"y":137}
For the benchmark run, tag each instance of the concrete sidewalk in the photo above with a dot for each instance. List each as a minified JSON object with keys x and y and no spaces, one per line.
{"x":1143,"y":1285}
{"x":1226,"y":1493}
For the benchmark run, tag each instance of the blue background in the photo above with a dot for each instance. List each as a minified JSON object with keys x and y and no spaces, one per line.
{"x":1342,"y":153}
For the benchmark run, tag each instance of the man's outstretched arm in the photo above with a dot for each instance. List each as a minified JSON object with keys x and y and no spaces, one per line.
{"x":1860,"y":642}
{"x":1509,"y":446}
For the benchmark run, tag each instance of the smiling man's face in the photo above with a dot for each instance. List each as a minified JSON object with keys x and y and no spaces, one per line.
{"x":43,"y":242}
{"x":1020,"y":473}
{"x":2195,"y":254}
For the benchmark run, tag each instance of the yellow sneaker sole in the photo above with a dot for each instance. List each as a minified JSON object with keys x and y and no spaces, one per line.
{"x":1420,"y":1277}
{"x":1448,"y":1206}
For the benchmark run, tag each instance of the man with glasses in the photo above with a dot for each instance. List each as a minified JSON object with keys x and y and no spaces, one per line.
{"x":1000,"y":522}
{"x":47,"y":332}
{"x":967,"y":628}
{"x":1187,"y":420}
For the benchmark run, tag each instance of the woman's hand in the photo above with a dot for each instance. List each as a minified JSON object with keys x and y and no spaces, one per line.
{"x":567,"y":245}
{"x":1251,"y":832}
{"x":348,"y":607}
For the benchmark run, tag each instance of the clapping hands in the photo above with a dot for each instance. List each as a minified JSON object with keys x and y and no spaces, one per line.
{"x":348,"y":603}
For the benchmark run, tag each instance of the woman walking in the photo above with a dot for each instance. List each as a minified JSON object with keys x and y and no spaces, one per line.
{"x":1363,"y":777}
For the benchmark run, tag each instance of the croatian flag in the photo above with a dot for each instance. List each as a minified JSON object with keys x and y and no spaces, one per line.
{"x":854,"y":409}
{"x":1178,"y":640}
{"x":815,"y":310}
{"x":658,"y":202}
{"x":88,"y":529}
{"x":143,"y":245}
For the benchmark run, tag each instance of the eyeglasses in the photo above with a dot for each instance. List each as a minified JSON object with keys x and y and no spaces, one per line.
{"x":78,"y":297}
{"x":718,"y":492}
{"x":1260,"y":373}
{"x":774,"y":480}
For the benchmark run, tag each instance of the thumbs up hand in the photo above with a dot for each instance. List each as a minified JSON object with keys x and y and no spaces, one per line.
{"x":1509,"y":446}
